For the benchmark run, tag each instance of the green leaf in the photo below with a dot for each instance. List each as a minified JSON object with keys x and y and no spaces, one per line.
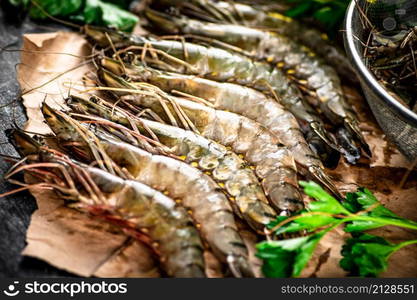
{"x":99,"y":12}
{"x":363,"y":255}
{"x":328,"y":16}
{"x":360,"y":225}
{"x":312,"y":222}
{"x":351,"y":203}
{"x":324,"y":202}
{"x":366,"y":255}
{"x":363,"y":200}
{"x":288,"y":257}
{"x":54,"y":8}
{"x":305,"y":253}
{"x":307,"y":222}
{"x":277,"y":262}
{"x":330,"y":13}
{"x":299,"y":10}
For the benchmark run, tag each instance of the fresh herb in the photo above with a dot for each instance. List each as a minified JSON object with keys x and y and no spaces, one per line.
{"x":367,"y":255}
{"x":109,"y":13}
{"x":360,"y":211}
{"x":288,"y":257}
{"x":329,"y":13}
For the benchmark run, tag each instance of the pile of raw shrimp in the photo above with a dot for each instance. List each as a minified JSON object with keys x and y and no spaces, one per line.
{"x":209,"y":123}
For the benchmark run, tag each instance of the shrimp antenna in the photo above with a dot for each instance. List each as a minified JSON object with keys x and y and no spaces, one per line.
{"x":8,"y":45}
{"x":57,"y":76}
{"x":46,"y":52}
{"x":14,"y":124}
{"x":7,"y":104}
{"x":69,"y":90}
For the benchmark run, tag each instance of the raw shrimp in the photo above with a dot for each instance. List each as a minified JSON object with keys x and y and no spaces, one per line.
{"x":224,"y":166}
{"x":272,"y":161}
{"x":300,"y":62}
{"x":197,"y":192}
{"x":213,"y":63}
{"x":252,"y":16}
{"x":237,"y":99}
{"x":168,"y":226}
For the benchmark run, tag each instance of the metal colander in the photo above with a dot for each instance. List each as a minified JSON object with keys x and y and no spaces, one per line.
{"x":397,"y":121}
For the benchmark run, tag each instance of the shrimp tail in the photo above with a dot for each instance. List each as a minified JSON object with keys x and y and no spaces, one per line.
{"x":352,"y":125}
{"x":322,"y":133}
{"x":239,"y":266}
{"x":163,"y":21}
{"x":325,"y":180}
{"x":348,"y":147}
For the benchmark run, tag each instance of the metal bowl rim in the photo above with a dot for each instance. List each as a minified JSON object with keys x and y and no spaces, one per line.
{"x":367,"y":76}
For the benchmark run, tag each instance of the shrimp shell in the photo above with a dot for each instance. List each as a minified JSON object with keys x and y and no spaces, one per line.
{"x":254,"y":17}
{"x":273,"y":162}
{"x":224,"y":166}
{"x":216,"y":64}
{"x":172,"y":233}
{"x":196,"y":191}
{"x":237,"y":99}
{"x":296,"y":60}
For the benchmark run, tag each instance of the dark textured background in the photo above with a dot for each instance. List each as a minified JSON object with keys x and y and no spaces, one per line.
{"x":15,"y":210}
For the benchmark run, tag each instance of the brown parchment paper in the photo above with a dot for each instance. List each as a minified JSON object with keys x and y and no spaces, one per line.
{"x":73,"y":241}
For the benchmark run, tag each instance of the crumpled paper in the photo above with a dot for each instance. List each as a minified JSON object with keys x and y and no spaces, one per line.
{"x":73,"y":241}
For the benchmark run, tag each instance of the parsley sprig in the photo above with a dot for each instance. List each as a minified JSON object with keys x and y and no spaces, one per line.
{"x":360,"y":211}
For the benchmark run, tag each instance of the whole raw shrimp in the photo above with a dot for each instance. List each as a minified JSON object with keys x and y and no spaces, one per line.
{"x":212,"y":63}
{"x":196,"y":191}
{"x":168,"y":227}
{"x":233,"y":12}
{"x":237,"y":99}
{"x":232,"y":174}
{"x":272,"y":161}
{"x":308,"y":69}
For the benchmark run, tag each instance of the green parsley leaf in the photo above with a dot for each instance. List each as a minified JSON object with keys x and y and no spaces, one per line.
{"x":54,"y":8}
{"x":109,"y":13}
{"x":366,"y":255}
{"x":363,"y":255}
{"x":324,"y":202}
{"x":99,"y":12}
{"x":288,"y":257}
{"x":363,"y":200}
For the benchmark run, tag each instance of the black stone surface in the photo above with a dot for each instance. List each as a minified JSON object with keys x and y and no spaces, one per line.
{"x":15,"y":210}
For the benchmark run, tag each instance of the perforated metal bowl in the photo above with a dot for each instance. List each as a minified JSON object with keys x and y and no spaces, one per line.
{"x":397,"y":121}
